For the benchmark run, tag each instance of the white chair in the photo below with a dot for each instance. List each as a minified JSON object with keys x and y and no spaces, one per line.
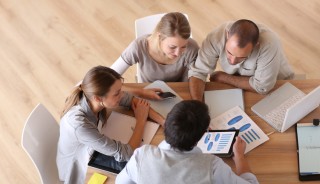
{"x":146,"y":25}
{"x":39,"y":139}
{"x":143,"y":26}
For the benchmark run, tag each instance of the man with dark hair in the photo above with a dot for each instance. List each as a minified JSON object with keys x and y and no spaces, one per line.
{"x":178,"y":160}
{"x":250,"y":55}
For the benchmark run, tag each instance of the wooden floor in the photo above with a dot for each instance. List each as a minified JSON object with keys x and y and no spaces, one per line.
{"x":47,"y":46}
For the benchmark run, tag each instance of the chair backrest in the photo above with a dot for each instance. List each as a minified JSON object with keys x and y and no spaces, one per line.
{"x":146,"y":25}
{"x":39,"y":139}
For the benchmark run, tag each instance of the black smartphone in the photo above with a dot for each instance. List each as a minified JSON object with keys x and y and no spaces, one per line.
{"x":166,"y":95}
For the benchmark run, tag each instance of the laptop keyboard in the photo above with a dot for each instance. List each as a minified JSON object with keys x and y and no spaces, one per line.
{"x":276,"y":116}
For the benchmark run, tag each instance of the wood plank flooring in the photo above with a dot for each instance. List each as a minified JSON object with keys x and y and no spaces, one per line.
{"x":47,"y":46}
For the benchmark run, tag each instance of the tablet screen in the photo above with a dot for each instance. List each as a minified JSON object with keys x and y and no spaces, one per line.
{"x":105,"y":162}
{"x":218,"y":142}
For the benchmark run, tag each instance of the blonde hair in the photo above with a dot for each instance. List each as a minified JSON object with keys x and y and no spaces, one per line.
{"x":172,"y":24}
{"x":97,"y":81}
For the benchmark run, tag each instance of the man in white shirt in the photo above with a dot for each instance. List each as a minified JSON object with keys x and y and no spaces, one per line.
{"x":178,"y":160}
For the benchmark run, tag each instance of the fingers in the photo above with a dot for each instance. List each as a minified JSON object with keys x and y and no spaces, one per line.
{"x":143,"y":102}
{"x":239,"y":146}
{"x":156,"y":89}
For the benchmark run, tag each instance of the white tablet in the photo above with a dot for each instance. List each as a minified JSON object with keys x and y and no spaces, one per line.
{"x":218,"y":142}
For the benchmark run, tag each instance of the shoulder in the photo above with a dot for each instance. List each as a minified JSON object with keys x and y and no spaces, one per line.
{"x":268,"y":38}
{"x":75,"y":117}
{"x":217,"y":37}
{"x":136,"y":50}
{"x":149,"y":150}
{"x":137,"y":44}
{"x":192,"y":44}
{"x":220,"y":30}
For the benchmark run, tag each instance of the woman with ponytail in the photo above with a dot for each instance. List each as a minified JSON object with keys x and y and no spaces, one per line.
{"x":85,"y":113}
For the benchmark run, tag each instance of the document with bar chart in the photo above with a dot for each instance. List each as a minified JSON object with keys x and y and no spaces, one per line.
{"x":236,"y":118}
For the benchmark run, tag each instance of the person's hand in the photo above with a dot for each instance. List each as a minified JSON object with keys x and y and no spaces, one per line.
{"x":141,"y":109}
{"x":217,"y":76}
{"x":151,"y":93}
{"x":238,"y":149}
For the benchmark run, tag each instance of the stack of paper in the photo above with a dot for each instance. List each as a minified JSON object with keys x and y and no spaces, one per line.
{"x":236,"y":118}
{"x":120,"y":127}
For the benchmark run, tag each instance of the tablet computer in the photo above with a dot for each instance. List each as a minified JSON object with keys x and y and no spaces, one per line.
{"x":218,"y":142}
{"x":308,"y":149}
{"x":105,"y":162}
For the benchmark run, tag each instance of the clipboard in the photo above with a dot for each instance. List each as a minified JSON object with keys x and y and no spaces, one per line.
{"x":308,"y":151}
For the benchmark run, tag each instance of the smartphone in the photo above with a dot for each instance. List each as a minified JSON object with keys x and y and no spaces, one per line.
{"x":166,"y":95}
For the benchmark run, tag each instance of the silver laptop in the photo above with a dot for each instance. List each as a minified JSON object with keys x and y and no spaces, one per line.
{"x":286,"y":106}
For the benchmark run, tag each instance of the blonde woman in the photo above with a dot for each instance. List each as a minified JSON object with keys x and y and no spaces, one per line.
{"x":164,"y":55}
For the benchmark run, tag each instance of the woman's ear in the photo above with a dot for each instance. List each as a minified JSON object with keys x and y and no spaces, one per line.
{"x":97,"y":98}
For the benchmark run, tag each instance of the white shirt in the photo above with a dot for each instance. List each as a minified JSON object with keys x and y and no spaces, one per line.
{"x":221,"y":172}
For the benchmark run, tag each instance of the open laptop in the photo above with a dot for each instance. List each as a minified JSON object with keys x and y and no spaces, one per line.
{"x":286,"y":106}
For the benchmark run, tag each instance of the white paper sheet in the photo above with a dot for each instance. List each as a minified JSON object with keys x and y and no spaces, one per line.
{"x":163,"y":107}
{"x":220,"y":101}
{"x":236,"y":118}
{"x":120,"y":127}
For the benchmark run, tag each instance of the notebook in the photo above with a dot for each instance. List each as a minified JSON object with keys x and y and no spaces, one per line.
{"x":220,"y":101}
{"x":308,"y":150}
{"x":286,"y":106}
{"x":163,"y":107}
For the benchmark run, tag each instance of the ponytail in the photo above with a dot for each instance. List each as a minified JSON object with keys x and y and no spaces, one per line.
{"x":72,"y":100}
{"x":97,"y":81}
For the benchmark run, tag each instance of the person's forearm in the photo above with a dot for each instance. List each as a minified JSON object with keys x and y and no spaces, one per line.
{"x":156,"y":117}
{"x":136,"y":137}
{"x":133,"y":90}
{"x":241,"y":82}
{"x":242,"y":166}
{"x":196,"y":87}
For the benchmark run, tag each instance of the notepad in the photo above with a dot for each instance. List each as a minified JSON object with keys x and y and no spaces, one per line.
{"x":163,"y":107}
{"x":220,"y":101}
{"x":97,"y":178}
{"x":120,"y":127}
{"x":308,"y":146}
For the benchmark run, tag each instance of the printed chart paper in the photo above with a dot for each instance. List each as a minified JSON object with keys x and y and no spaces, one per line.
{"x":236,"y":118}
